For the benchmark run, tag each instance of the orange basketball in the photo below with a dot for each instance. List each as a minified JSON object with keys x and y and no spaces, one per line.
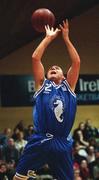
{"x":42,"y":17}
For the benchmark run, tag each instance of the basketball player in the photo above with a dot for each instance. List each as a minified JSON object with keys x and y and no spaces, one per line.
{"x":54,"y":113}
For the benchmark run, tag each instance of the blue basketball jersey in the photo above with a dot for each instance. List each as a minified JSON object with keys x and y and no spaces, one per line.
{"x":54,"y":108}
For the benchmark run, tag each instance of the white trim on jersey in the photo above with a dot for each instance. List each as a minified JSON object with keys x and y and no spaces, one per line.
{"x":69,"y":88}
{"x":20,"y":176}
{"x":40,"y":90}
{"x":57,"y":86}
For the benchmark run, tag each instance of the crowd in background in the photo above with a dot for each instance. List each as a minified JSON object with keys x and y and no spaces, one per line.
{"x":85,"y":151}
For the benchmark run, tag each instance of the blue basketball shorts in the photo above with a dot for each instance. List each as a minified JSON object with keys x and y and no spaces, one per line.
{"x":47,"y":149}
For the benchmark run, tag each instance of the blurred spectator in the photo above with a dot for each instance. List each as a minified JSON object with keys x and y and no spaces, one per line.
{"x":11,"y":153}
{"x":6,"y":173}
{"x":97,"y":145}
{"x":78,"y":157}
{"x":91,"y":159}
{"x":3,"y":172}
{"x":79,"y":135}
{"x":28,"y":132}
{"x":93,"y":142}
{"x":77,"y":174}
{"x":80,"y":127}
{"x":84,"y":170}
{"x":96,"y":168}
{"x":20,"y":142}
{"x":16,"y":131}
{"x":20,"y":125}
{"x":76,"y":171}
{"x":81,"y":139}
{"x":91,"y":154}
{"x":90,"y":131}
{"x":11,"y":169}
{"x":3,"y":141}
{"x":81,"y":149}
{"x":4,"y":136}
{"x":7,"y":132}
{"x":2,"y":154}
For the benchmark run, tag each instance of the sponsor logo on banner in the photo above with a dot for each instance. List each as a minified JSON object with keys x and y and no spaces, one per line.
{"x":87,"y":89}
{"x":18,"y":90}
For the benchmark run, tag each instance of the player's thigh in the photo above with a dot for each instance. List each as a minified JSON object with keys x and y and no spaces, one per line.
{"x":62,"y":165}
{"x":33,"y":157}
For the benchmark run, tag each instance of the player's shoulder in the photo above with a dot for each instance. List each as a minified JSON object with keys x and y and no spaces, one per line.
{"x":65,"y":82}
{"x":41,"y":87}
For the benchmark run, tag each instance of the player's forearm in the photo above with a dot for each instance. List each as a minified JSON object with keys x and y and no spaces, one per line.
{"x":39,"y":51}
{"x":72,"y":51}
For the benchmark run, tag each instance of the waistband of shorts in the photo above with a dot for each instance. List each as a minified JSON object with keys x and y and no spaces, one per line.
{"x":50,"y":135}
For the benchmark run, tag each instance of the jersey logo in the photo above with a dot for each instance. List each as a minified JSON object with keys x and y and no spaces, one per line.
{"x":58,"y":110}
{"x":57,"y":105}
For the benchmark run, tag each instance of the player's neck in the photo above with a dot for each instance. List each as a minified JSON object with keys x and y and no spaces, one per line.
{"x":57,"y":81}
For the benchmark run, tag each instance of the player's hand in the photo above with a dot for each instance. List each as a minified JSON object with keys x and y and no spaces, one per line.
{"x":51,"y":32}
{"x":65,"y":29}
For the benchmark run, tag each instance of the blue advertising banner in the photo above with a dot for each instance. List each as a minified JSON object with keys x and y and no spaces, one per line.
{"x":18,"y":90}
{"x":87,"y":90}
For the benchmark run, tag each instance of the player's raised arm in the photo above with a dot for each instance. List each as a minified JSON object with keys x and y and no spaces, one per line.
{"x":38,"y":69}
{"x":73,"y":72}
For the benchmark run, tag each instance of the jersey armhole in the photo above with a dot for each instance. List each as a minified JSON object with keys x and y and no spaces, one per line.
{"x":41,"y":88}
{"x":69,"y":88}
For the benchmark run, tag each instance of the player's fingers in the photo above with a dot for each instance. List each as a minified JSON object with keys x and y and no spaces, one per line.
{"x":67,"y":23}
{"x":48,"y":27}
{"x":52,"y":29}
{"x":45,"y":27}
{"x":57,"y":30}
{"x":60,"y":26}
{"x":64,"y":24}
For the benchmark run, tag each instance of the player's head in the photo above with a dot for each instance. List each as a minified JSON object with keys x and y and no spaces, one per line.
{"x":55,"y":74}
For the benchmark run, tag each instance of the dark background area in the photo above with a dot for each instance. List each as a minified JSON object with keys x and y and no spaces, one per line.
{"x":15,"y":19}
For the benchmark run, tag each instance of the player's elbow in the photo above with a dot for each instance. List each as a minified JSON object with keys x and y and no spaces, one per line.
{"x":77,"y":63}
{"x":78,"y":59}
{"x":35,"y":57}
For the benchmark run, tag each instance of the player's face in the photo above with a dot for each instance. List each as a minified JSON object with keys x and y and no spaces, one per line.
{"x":55,"y":74}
